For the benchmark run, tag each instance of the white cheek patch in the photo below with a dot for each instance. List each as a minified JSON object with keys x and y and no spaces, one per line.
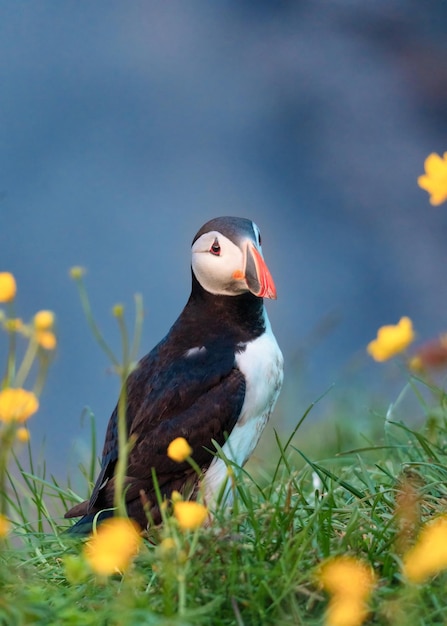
{"x":216,"y":272}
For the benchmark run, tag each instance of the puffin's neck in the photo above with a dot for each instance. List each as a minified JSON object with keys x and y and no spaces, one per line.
{"x":241,"y":316}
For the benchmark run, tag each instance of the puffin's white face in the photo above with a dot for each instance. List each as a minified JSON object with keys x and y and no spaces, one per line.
{"x":224,"y":268}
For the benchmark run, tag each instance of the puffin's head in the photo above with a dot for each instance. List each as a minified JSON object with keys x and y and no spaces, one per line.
{"x":227,"y":258}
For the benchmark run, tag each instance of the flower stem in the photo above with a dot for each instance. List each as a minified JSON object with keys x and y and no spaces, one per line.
{"x":123,"y":454}
{"x":11,"y":360}
{"x":93,"y":325}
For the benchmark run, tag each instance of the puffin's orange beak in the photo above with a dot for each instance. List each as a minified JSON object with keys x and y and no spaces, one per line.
{"x":257,"y":275}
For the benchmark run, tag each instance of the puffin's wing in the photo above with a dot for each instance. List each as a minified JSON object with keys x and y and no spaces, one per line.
{"x":210,"y":414}
{"x":199,"y":396}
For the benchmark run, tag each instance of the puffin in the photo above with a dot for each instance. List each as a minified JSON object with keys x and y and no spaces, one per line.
{"x":214,"y":379}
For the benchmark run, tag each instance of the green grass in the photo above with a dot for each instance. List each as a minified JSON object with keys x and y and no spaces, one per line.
{"x":255,"y":564}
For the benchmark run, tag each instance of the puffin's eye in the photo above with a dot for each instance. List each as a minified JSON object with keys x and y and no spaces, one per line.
{"x":259,"y":238}
{"x":215,"y":248}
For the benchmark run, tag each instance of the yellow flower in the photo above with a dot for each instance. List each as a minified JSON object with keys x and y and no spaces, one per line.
{"x":44,"y":320}
{"x":345,"y":611}
{"x":43,"y":324}
{"x":8,"y":287}
{"x":118,"y":310}
{"x":46,"y":339}
{"x":347,"y":576}
{"x":176,"y":496}
{"x":434,"y":181}
{"x":5,"y":526}
{"x":391,"y":340}
{"x":77,"y":272}
{"x":350,"y":582}
{"x":429,"y":555}
{"x":13,"y":325}
{"x":167,"y":546}
{"x":190,"y":515}
{"x":179,"y":450}
{"x":112,"y":548}
{"x":17,"y":404}
{"x":23,"y":435}
{"x":415,"y":364}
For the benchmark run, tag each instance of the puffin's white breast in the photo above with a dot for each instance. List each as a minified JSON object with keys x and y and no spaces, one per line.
{"x":261,"y":363}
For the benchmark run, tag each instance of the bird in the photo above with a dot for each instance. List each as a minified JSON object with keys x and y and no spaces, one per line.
{"x":215,"y":377}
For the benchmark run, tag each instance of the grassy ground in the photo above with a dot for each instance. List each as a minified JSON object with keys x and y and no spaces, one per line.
{"x":258,"y":563}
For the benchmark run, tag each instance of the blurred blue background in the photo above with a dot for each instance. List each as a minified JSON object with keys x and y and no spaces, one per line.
{"x":126,"y":125}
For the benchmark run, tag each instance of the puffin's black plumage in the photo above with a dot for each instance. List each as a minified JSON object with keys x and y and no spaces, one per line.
{"x":188,"y":386}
